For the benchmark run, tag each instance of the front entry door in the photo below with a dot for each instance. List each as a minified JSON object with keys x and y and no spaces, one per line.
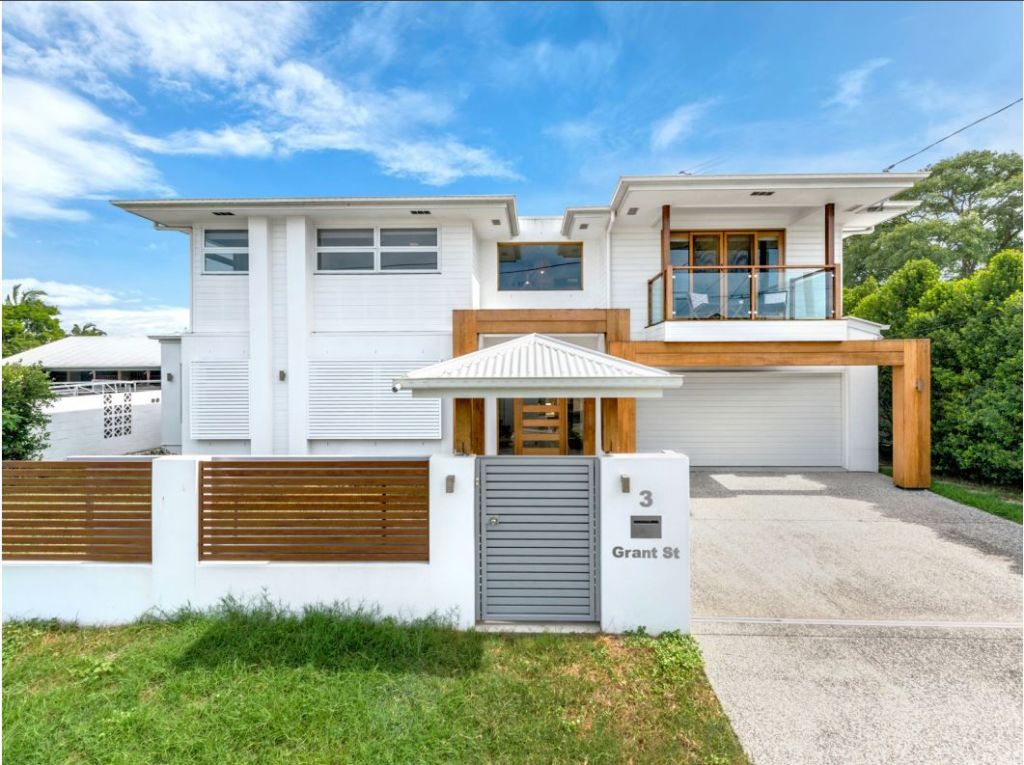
{"x":537,"y":427}
{"x":538,"y":538}
{"x":541,"y":426}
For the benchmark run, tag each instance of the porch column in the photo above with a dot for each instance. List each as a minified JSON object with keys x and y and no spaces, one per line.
{"x":618,"y":425}
{"x":261,"y":403}
{"x":911,"y":417}
{"x":468,"y":436}
{"x":830,"y":259}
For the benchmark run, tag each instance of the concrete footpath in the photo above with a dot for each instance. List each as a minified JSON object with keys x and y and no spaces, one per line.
{"x":843,"y":620}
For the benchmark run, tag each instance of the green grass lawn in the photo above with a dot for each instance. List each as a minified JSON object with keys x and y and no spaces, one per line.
{"x":253,"y":685}
{"x":1001,"y":501}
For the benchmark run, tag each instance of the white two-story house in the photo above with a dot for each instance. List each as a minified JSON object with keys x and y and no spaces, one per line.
{"x":305,"y":311}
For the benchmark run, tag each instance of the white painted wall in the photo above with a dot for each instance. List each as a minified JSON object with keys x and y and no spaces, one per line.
{"x":219,"y":347}
{"x":220,"y":302}
{"x":111,"y":593}
{"x":170,"y":389}
{"x":76,"y":426}
{"x":594,"y":293}
{"x":388,"y":302}
{"x":650,"y":592}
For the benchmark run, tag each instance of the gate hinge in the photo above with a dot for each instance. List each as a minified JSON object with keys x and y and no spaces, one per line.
{"x":476,"y":481}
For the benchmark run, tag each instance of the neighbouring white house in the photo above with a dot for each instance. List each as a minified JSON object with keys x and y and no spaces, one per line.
{"x":304,"y":311}
{"x":108,"y":394}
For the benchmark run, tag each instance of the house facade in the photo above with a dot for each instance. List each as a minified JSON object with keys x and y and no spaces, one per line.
{"x":304,"y":313}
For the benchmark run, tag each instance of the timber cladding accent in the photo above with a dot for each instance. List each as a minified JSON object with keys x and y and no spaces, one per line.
{"x":94,"y":511}
{"x":314,"y":510}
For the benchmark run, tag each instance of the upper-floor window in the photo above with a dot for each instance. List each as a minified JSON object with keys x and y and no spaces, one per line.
{"x":226,"y":251}
{"x":540,"y":266}
{"x":726,"y":248}
{"x":376,"y":250}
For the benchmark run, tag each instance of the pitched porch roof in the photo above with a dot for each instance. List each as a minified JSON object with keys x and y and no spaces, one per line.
{"x":537,"y":365}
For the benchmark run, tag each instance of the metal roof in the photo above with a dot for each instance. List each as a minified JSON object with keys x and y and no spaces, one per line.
{"x":537,"y":365}
{"x":90,"y":352}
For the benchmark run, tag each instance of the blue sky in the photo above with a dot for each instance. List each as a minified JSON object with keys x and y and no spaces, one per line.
{"x":551,"y":102}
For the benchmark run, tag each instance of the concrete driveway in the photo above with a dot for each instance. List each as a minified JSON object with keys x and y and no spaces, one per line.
{"x":843,"y":620}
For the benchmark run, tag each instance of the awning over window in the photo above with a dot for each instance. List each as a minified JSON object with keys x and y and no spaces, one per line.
{"x":537,"y":365}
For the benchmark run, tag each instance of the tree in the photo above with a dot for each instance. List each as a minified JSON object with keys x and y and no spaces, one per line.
{"x":28,"y":321}
{"x":88,"y":329}
{"x":975,"y":327}
{"x":970,"y":209}
{"x":26,"y":393}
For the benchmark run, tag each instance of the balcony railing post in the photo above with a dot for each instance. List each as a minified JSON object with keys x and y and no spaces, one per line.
{"x":753,"y":294}
{"x":670,"y":309}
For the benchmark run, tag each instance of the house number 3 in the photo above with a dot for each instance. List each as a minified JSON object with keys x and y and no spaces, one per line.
{"x":647,"y":499}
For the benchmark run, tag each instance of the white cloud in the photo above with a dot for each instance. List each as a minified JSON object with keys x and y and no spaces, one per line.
{"x":246,"y":140}
{"x":62,"y":294}
{"x":850,"y":85}
{"x":82,"y":303}
{"x":58,"y":148}
{"x":555,"y":62}
{"x":678,"y":124}
{"x":156,"y":320}
{"x":91,"y":45}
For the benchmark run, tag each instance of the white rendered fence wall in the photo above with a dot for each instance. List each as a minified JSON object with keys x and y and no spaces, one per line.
{"x":647,"y":586}
{"x":84,"y":425}
{"x":106,"y":593}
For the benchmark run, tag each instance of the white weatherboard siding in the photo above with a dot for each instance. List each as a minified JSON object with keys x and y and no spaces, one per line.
{"x":382,"y":302}
{"x":219,"y":400}
{"x":748,"y":419}
{"x":594,"y":293}
{"x":354,"y":400}
{"x":220,"y":302}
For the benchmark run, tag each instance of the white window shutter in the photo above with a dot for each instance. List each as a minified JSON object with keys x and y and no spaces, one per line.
{"x":354,"y":400}
{"x":219,"y":400}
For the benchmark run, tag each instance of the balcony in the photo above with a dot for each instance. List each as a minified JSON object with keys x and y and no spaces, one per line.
{"x":681,"y":293}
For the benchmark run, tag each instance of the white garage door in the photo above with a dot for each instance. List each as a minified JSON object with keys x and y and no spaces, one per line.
{"x":747,"y":419}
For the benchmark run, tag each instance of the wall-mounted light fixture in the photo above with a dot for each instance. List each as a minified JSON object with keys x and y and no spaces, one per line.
{"x":170,"y":377}
{"x":624,"y":480}
{"x":449,"y":484}
{"x":281,"y":375}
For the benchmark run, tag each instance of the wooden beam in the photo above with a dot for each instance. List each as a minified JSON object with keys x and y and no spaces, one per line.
{"x":669,"y":355}
{"x":666,"y":235}
{"x":911,"y":417}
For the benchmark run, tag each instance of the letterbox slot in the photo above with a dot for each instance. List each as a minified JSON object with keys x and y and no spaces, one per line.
{"x":645,"y":526}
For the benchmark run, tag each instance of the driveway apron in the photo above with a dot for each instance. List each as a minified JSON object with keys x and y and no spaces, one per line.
{"x":844,"y":620}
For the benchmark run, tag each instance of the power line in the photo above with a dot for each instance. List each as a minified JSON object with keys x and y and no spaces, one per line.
{"x":931,"y":145}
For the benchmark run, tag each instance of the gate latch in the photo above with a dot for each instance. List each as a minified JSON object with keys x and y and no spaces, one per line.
{"x":493,"y":520}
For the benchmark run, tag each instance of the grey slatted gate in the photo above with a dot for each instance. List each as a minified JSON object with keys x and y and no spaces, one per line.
{"x":538,"y":539}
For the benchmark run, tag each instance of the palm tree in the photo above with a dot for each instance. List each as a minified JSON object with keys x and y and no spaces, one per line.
{"x":86,"y":329}
{"x":20,"y":297}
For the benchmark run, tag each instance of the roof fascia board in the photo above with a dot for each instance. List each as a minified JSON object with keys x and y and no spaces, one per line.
{"x":895,"y":181}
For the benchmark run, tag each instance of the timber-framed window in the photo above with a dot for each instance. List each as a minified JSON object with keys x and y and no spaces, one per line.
{"x":739,"y":248}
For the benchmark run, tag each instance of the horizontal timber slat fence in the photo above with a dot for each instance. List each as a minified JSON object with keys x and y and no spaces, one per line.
{"x":94,"y":511}
{"x":316,"y":510}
